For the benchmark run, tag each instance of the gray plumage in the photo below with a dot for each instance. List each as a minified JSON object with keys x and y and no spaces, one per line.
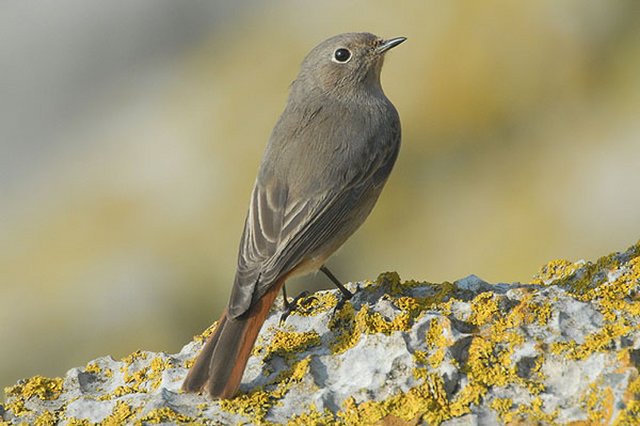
{"x":326,"y":162}
{"x":328,"y":157}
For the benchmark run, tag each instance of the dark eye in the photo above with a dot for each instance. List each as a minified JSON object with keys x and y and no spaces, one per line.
{"x":342,"y":55}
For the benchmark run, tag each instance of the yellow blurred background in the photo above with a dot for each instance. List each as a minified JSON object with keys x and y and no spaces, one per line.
{"x":131,"y":132}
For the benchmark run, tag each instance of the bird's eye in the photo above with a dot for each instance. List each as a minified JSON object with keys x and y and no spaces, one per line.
{"x":341,"y":55}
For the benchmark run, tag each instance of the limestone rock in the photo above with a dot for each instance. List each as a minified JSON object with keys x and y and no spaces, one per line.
{"x":564,"y":348}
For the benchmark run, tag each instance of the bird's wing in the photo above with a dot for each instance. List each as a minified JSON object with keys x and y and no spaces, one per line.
{"x":280,"y":233}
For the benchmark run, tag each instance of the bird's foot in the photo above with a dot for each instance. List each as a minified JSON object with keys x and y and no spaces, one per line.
{"x":345,"y":295}
{"x":300,"y":301}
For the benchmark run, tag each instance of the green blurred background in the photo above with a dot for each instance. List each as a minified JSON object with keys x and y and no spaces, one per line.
{"x":130,"y":134}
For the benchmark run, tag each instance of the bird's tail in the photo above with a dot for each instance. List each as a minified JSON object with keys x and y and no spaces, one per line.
{"x":221,"y":362}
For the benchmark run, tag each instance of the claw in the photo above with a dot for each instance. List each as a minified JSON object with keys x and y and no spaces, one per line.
{"x":306,"y":302}
{"x":290,"y":307}
{"x":341,"y":302}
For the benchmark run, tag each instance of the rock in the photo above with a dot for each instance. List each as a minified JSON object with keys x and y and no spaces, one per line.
{"x":564,"y":348}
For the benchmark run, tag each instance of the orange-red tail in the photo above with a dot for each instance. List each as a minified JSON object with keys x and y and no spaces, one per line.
{"x":221,"y":362}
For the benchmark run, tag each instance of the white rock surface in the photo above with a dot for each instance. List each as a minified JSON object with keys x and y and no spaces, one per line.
{"x":565,"y":348}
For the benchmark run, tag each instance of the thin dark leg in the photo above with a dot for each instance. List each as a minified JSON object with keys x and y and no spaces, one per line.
{"x":345,"y":292}
{"x":290,"y":307}
{"x":287,"y":306}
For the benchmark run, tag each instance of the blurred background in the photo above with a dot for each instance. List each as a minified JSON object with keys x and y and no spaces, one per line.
{"x":131,"y":132}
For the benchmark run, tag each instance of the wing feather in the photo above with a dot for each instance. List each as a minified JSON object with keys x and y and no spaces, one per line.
{"x":281,"y":231}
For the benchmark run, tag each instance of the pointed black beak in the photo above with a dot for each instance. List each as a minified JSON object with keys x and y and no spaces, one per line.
{"x":389,"y":44}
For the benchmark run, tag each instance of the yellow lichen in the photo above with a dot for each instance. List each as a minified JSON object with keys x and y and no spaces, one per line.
{"x":206,"y":333}
{"x":286,"y":343}
{"x":599,"y":341}
{"x":374,"y":322}
{"x":631,"y":413}
{"x":409,"y":304}
{"x":555,"y":270}
{"x":427,"y":401}
{"x":143,"y":380}
{"x":598,"y":401}
{"x":392,"y":281}
{"x":297,"y":372}
{"x":41,"y":387}
{"x":421,"y":358}
{"x":133,"y":357}
{"x":591,"y":275}
{"x":318,"y":303}
{"x":256,"y":404}
{"x":490,"y":355}
{"x":532,"y":413}
{"x":166,"y":415}
{"x":312,"y":417}
{"x":497,"y":324}
{"x":501,"y":405}
{"x":135,"y":381}
{"x":118,"y":392}
{"x":535,"y":384}
{"x":438,"y":301}
{"x":472,"y":393}
{"x":490,"y":365}
{"x":612,"y":298}
{"x":157,"y":367}
{"x":484,"y":308}
{"x":72,"y":421}
{"x":344,"y":324}
{"x":120,"y":415}
{"x":349,"y":326}
{"x":93,"y":368}
{"x":542,"y":313}
{"x":16,"y":406}
{"x":490,"y":360}
{"x":436,"y":341}
{"x":46,"y":419}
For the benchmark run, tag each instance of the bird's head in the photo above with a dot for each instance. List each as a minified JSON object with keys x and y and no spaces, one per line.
{"x":350,"y":61}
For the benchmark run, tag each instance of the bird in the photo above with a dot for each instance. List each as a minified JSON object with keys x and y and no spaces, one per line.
{"x":324,"y":167}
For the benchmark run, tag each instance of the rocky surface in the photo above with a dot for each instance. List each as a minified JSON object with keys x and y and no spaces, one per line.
{"x":564,"y":348}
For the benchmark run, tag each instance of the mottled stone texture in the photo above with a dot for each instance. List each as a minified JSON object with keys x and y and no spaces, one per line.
{"x":561,"y":349}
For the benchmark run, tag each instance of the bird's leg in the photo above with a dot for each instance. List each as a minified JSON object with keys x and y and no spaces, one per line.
{"x":346,"y":294}
{"x":284,"y":297}
{"x":290,"y":307}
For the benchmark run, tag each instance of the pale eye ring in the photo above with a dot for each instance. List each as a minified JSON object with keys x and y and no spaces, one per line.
{"x":341,"y":55}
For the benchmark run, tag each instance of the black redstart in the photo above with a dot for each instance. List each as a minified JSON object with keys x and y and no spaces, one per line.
{"x":327,"y":160}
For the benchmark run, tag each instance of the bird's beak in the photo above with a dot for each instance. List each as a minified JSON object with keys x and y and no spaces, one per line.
{"x":389,"y":44}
